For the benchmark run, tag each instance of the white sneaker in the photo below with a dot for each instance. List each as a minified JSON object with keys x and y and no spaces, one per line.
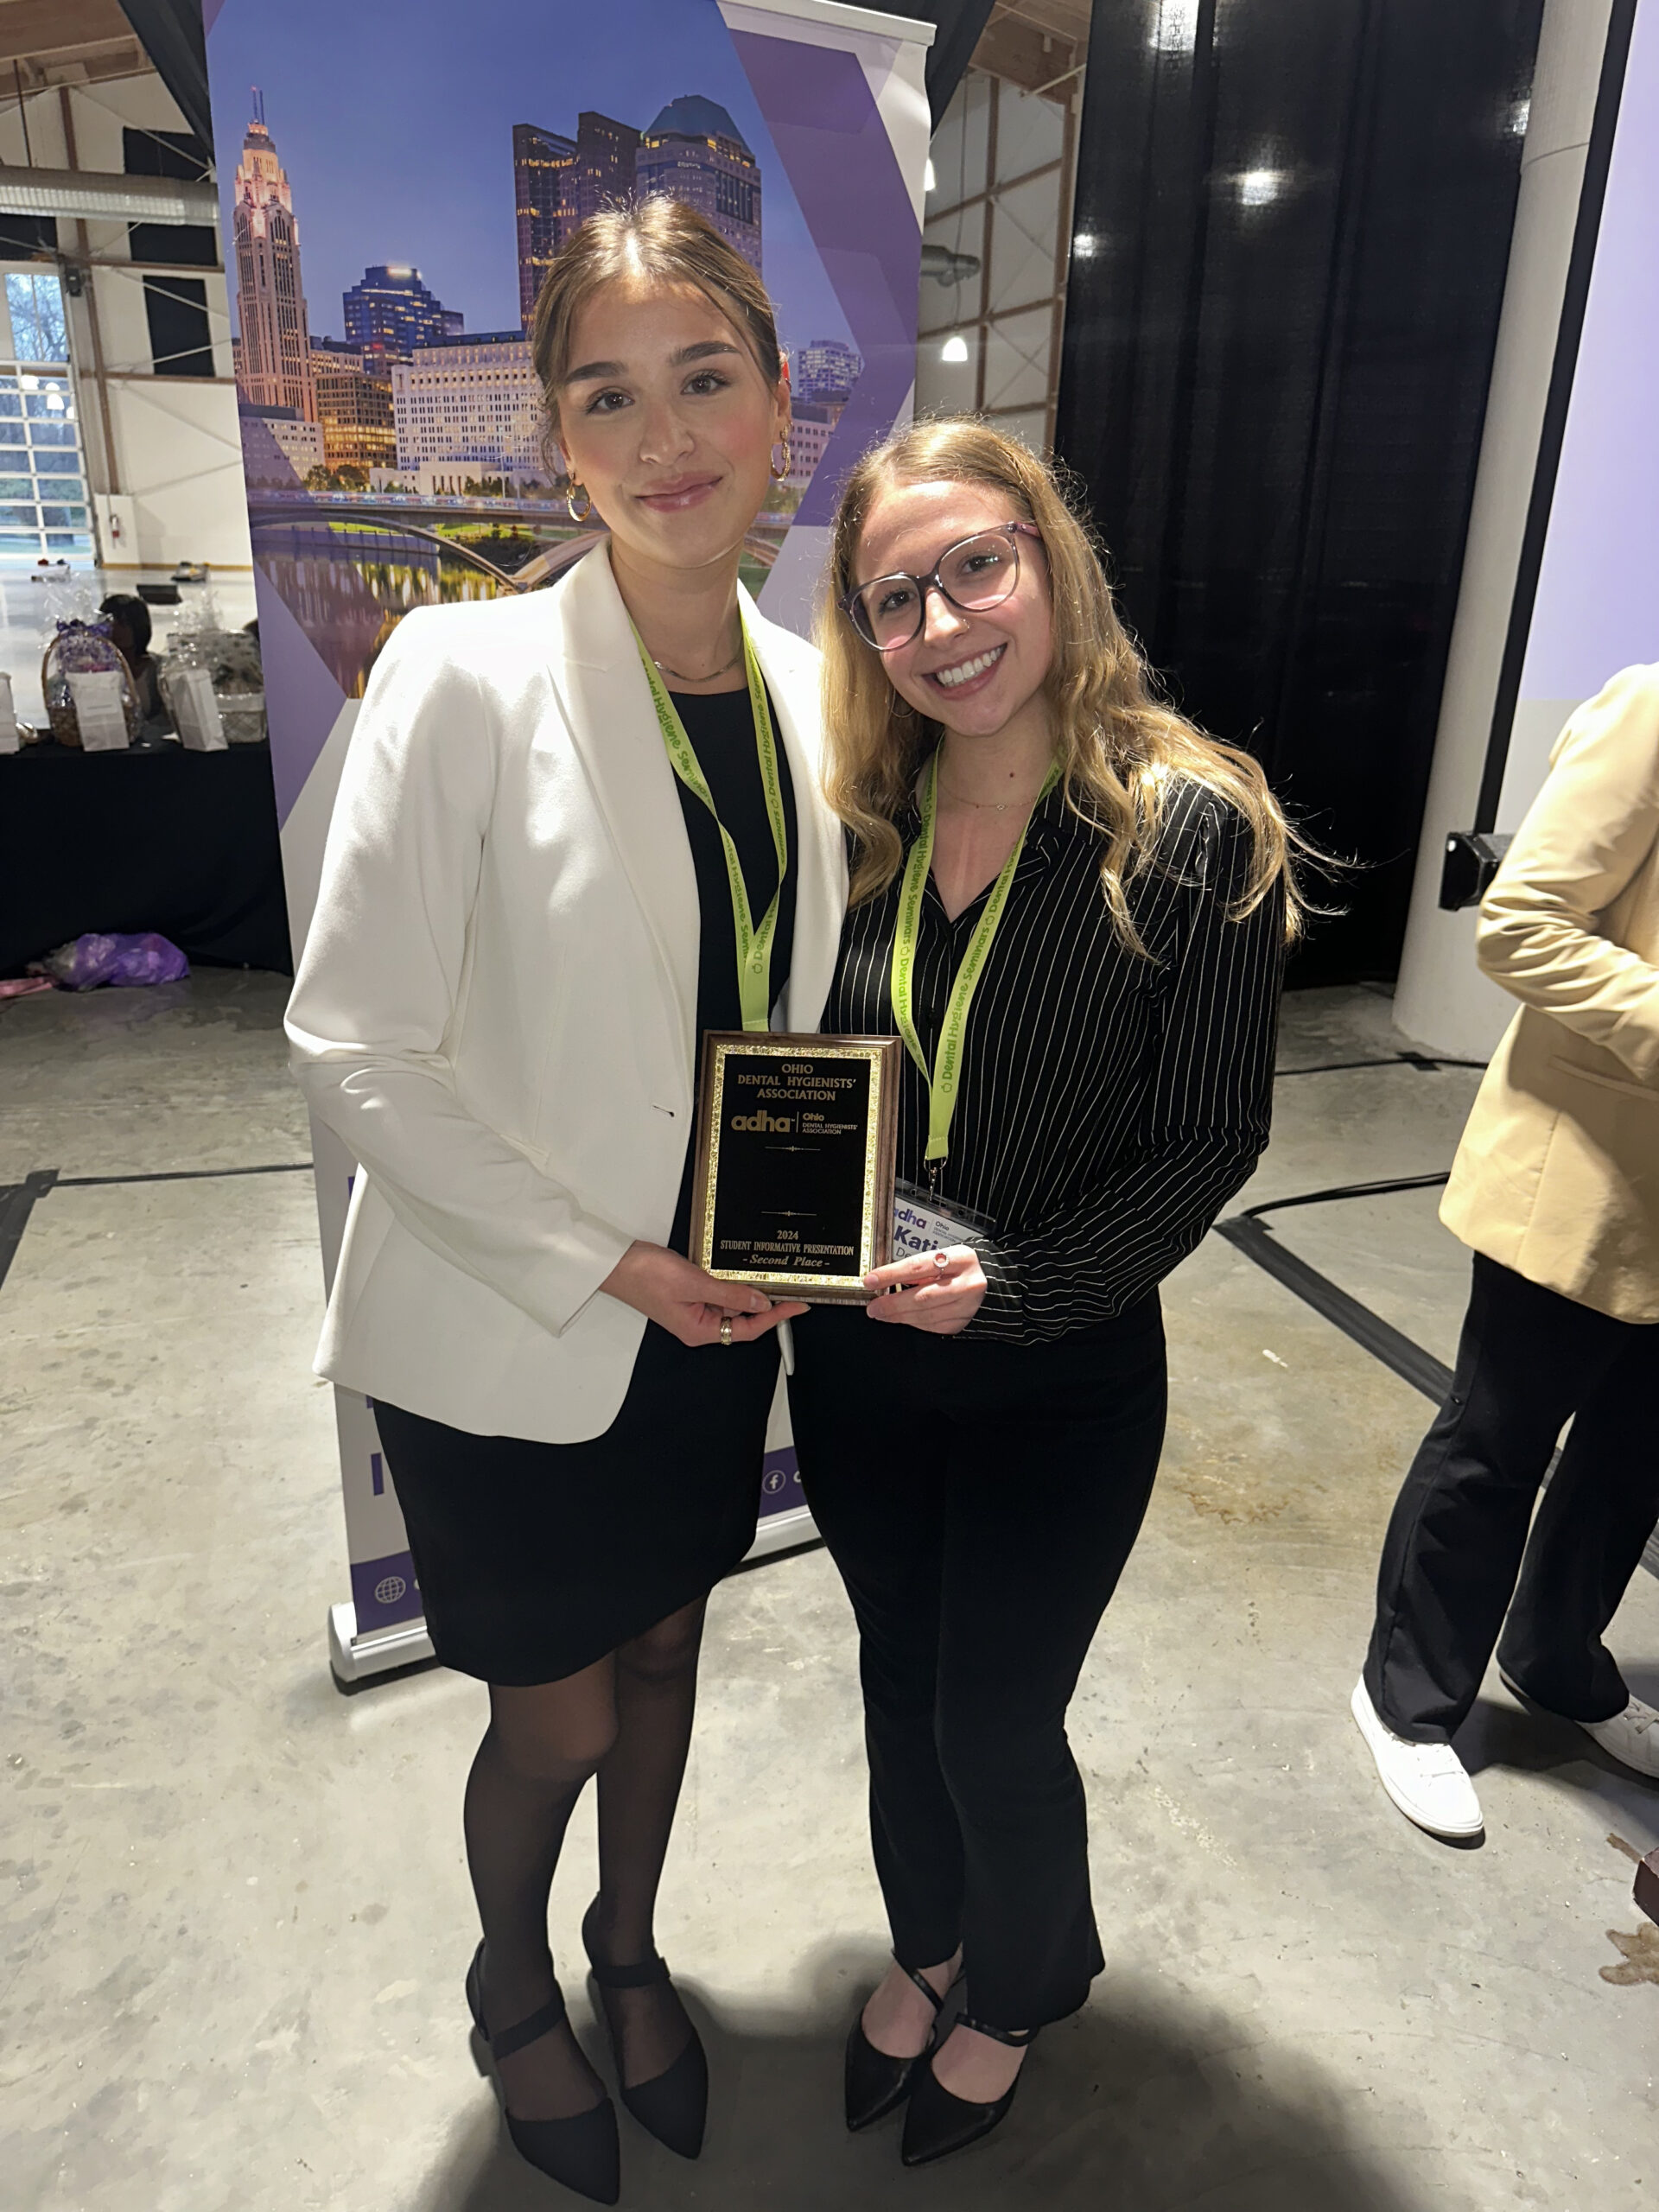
{"x":1630,"y":1736}
{"x":1428,"y":1781}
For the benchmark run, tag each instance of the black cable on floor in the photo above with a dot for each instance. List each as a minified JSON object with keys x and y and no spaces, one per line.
{"x":1420,"y":1061}
{"x":180,"y":1175}
{"x":1344,"y":1191}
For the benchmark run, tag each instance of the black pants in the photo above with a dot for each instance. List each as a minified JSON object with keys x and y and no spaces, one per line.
{"x":1458,"y":1551}
{"x":980,"y":1501}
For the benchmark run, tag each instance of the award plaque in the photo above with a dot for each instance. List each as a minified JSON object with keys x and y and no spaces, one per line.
{"x":794,"y":1173}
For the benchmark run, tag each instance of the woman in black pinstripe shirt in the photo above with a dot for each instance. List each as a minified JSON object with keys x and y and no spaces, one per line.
{"x":1073,"y":906}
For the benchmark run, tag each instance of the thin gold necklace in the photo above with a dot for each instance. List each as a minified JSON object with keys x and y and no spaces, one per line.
{"x":724,"y":669}
{"x":986,"y":805}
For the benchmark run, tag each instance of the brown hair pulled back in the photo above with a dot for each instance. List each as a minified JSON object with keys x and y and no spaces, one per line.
{"x":654,"y":238}
{"x":1119,"y":746}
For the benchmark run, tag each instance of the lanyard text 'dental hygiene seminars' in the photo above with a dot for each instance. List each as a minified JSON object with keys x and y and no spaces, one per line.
{"x":946,"y":1075}
{"x":754,"y":946}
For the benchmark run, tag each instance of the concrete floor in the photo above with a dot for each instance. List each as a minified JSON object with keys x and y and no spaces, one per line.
{"x":236,"y":1915}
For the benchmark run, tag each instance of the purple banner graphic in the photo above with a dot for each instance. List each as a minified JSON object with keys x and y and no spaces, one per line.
{"x":835,"y":150}
{"x":780,"y":1483}
{"x":384,"y":1592}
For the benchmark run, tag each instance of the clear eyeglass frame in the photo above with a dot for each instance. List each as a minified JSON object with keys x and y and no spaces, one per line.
{"x":854,"y":603}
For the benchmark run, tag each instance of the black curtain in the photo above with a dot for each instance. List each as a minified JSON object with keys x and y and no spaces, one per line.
{"x":1290,"y":234}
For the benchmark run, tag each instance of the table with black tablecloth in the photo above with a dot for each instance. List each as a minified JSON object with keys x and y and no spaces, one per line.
{"x":182,"y":842}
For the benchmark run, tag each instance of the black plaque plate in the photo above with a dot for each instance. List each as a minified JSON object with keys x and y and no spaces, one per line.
{"x":794,"y":1168}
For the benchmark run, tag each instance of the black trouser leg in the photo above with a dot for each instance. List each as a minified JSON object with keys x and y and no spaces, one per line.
{"x":1527,"y":1360}
{"x":1588,"y":1541}
{"x":1027,"y":1579}
{"x":980,"y":1501}
{"x":880,"y":1510}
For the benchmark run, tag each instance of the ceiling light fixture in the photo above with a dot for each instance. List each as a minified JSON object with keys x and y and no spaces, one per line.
{"x":1257,"y":187}
{"x":1176,"y":29}
{"x":955,"y":347}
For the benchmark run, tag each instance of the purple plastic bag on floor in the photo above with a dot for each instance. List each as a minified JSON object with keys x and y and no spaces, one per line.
{"x":96,"y":959}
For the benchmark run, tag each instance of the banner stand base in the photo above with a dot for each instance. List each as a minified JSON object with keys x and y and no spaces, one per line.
{"x":354,"y":1660}
{"x":782,"y":1532}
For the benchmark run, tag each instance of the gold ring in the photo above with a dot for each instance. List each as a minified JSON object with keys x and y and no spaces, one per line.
{"x":726,"y":1331}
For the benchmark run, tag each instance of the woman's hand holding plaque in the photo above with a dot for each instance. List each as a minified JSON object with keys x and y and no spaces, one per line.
{"x":689,"y":1304}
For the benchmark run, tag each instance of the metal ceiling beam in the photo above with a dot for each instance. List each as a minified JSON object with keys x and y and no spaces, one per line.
{"x":89,"y":195}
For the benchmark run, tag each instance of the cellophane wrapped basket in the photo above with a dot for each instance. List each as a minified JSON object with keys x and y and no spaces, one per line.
{"x":83,"y":649}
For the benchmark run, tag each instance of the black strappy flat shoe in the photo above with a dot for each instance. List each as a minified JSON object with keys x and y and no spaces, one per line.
{"x":876,"y":2082}
{"x":938,"y":2123}
{"x":582,"y":2151}
{"x":673,"y":2106}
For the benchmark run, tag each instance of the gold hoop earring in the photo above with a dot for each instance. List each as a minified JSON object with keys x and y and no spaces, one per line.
{"x":570,"y":502}
{"x":778,"y":475}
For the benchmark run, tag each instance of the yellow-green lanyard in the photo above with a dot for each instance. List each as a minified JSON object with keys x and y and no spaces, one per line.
{"x":946,"y":1075}
{"x":754,"y":946}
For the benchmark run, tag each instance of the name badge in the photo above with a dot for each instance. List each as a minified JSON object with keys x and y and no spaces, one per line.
{"x":922,"y":1223}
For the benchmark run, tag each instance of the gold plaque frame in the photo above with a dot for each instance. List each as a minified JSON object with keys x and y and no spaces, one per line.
{"x":882,"y":1055}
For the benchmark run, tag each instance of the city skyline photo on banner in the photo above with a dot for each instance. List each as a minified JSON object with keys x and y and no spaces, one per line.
{"x":395,"y":129}
{"x":395,"y":186}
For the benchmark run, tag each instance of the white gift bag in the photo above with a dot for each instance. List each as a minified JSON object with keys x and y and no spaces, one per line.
{"x":196,"y":711}
{"x":100,"y":709}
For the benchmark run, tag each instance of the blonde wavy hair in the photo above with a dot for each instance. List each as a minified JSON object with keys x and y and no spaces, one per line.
{"x":1120,"y":748}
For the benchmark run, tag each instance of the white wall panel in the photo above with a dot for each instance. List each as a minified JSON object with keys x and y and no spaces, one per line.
{"x":1016,"y":360}
{"x":1029,"y":132}
{"x":180,"y":453}
{"x":1024,"y":224}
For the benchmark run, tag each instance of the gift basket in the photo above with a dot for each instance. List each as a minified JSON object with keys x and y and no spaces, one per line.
{"x":231,"y":660}
{"x":85,"y":648}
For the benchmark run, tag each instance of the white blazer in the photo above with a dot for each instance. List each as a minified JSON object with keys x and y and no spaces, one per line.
{"x":496,"y":1005}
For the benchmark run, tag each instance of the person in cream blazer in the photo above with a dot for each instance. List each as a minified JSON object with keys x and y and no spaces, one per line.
{"x":527,"y":918}
{"x":1555,"y":1189}
{"x":495,"y":1009}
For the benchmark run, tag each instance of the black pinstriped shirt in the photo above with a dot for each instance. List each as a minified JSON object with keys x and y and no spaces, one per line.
{"x":1109,"y":1105}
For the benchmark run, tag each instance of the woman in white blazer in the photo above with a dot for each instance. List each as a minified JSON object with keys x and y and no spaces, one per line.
{"x":525,"y":920}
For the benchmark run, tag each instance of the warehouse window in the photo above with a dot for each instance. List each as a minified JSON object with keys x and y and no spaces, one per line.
{"x":181,"y":343}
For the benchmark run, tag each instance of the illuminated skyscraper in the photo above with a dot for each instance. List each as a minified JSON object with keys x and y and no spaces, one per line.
{"x":559,"y":183}
{"x":275,"y":356}
{"x":695,"y":153}
{"x":468,"y":410}
{"x":825,"y":370}
{"x":602,"y":173}
{"x":541,"y":164}
{"x":353,"y":405}
{"x":391,"y":307}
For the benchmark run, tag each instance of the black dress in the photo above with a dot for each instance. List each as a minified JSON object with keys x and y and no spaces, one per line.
{"x":534,"y":1559}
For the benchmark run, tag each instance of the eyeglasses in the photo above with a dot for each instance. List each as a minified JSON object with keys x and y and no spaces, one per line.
{"x":977,"y":573}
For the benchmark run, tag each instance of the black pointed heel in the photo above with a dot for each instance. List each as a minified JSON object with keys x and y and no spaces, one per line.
{"x":936,"y":2123}
{"x":582,"y":2152}
{"x":673,"y":2106}
{"x":876,"y":2082}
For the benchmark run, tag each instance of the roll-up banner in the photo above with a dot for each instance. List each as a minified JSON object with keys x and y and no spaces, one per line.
{"x":1596,"y":607}
{"x":396,"y":181}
